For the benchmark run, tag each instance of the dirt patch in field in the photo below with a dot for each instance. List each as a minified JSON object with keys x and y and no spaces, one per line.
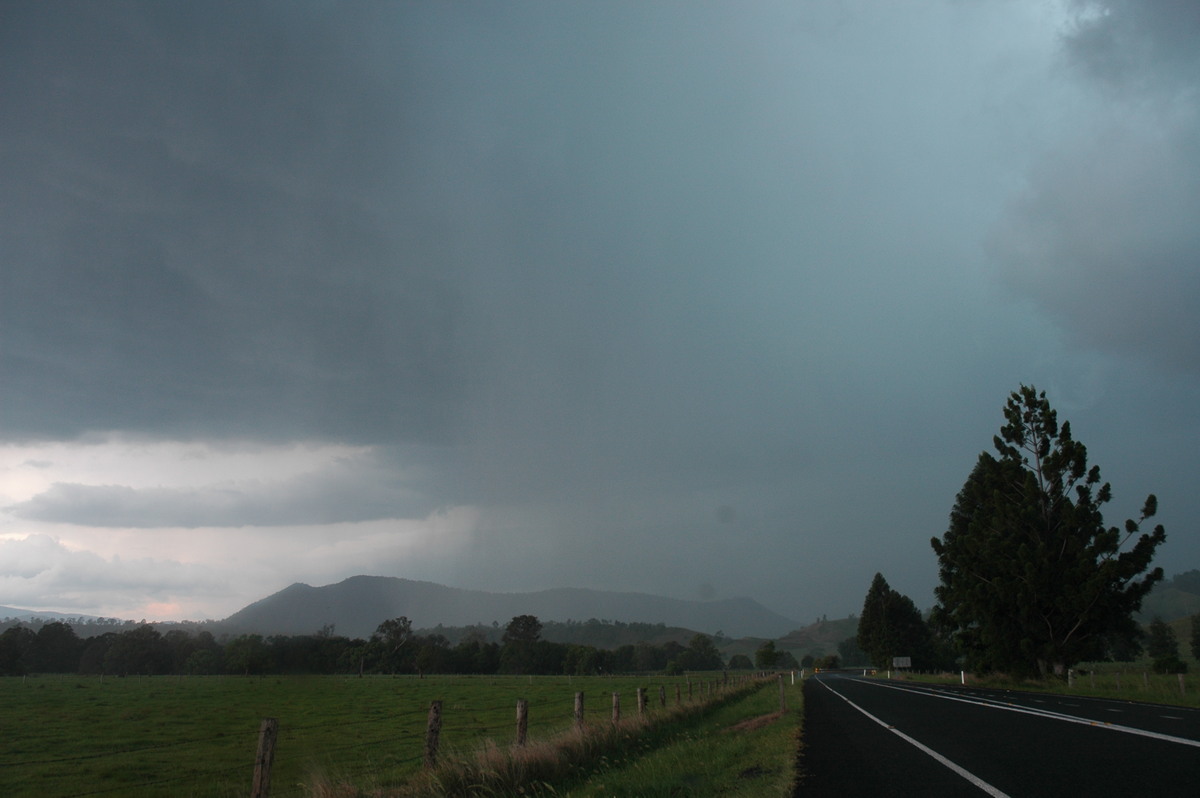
{"x":755,"y":723}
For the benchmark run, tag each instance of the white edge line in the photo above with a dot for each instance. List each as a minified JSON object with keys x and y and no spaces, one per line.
{"x":966,"y":774}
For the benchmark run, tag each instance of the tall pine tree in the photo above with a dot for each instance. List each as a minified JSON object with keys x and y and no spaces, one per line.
{"x":1031,"y":579}
{"x":892,"y":626}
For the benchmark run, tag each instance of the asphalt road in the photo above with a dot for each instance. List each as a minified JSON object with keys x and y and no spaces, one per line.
{"x":879,"y":738}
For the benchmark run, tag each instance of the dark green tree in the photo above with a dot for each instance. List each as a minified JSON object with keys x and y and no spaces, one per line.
{"x":247,"y":654}
{"x":851,"y":652}
{"x":95,"y":653}
{"x":582,"y":660}
{"x":1163,"y":647}
{"x":1161,"y":640}
{"x":740,"y":662}
{"x":204,"y":662}
{"x":874,"y":636}
{"x":700,"y":655}
{"x":1196,"y":636}
{"x":17,"y":647}
{"x":523,"y":629}
{"x":1032,"y":581}
{"x":519,"y":652}
{"x":433,"y":655}
{"x":57,"y":649}
{"x":766,"y":657}
{"x":392,"y":635}
{"x":140,"y":650}
{"x":892,"y":626}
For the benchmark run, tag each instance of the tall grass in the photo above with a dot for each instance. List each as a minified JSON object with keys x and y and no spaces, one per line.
{"x":678,"y":744}
{"x":1117,"y":680}
{"x":746,"y":749}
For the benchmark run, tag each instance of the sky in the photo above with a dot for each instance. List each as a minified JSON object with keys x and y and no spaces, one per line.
{"x":697,"y":299}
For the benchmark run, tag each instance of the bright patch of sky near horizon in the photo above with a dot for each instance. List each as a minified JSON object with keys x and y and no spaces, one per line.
{"x":693,"y":299}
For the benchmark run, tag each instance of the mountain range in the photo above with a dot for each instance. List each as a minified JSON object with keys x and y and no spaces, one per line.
{"x":356,"y":606}
{"x":28,"y":615}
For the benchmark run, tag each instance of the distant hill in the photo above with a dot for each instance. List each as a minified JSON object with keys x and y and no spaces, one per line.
{"x":1172,"y":599}
{"x":356,"y":606}
{"x":818,"y":639}
{"x":17,"y":613}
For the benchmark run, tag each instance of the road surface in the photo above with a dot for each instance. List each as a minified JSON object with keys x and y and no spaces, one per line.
{"x":878,"y":738}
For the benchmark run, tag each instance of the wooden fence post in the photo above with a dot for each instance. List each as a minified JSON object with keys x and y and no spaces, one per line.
{"x":1181,"y":690}
{"x":641,"y":701}
{"x":782,"y":695}
{"x":677,"y":701}
{"x":268,"y":732}
{"x":522,"y":720}
{"x":616,"y":713}
{"x":662,"y":695}
{"x":579,"y":711}
{"x":433,"y":730}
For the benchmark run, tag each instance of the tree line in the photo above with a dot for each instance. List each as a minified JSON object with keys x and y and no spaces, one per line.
{"x":394,"y":648}
{"x":1032,"y":580}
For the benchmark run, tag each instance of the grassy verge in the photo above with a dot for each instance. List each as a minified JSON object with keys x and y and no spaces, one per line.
{"x":739,"y":744}
{"x":745,"y":748}
{"x":1122,"y":681}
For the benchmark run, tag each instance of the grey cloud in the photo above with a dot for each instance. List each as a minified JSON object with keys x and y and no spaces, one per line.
{"x":600,"y":269}
{"x":349,"y":491}
{"x":1137,"y":43}
{"x":1104,"y":238}
{"x":186,"y":250}
{"x":51,"y":576}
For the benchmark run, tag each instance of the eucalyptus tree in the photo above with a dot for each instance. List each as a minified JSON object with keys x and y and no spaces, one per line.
{"x":1032,"y":581}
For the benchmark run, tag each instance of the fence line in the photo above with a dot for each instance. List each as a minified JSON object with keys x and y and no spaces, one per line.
{"x":435,"y":718}
{"x":547,"y":716}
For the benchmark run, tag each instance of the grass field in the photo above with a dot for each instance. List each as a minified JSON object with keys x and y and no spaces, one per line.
{"x":197,"y":736}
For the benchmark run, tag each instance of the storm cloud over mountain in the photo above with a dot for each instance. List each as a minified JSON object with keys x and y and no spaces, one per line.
{"x":703,"y":300}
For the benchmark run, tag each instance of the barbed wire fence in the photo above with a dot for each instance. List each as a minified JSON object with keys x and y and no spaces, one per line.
{"x":405,"y":746}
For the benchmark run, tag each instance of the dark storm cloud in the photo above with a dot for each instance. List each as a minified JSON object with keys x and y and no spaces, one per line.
{"x":191,"y":248}
{"x":347,"y":490}
{"x":1137,"y":41}
{"x":611,"y":277}
{"x":1105,"y":237}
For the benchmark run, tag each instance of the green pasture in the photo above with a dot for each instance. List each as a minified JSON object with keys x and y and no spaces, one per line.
{"x":197,"y":736}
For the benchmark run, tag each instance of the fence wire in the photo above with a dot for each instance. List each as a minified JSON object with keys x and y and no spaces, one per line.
{"x":545,"y":716}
